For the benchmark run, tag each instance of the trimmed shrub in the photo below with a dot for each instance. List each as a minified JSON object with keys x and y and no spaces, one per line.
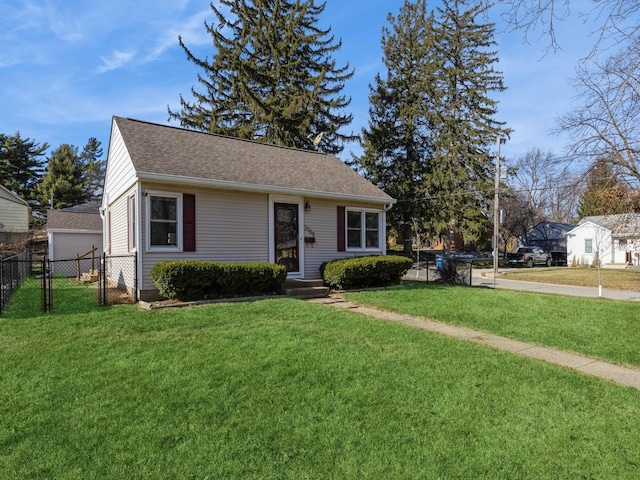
{"x":360,"y":272}
{"x":189,"y":280}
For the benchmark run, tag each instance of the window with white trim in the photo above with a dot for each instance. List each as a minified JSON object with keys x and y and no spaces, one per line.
{"x":588,"y":245}
{"x":363,"y":229}
{"x":163,"y":221}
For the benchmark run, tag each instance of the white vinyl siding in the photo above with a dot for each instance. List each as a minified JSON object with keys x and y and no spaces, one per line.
{"x":118,"y":227}
{"x":132,"y":216}
{"x":119,"y":268}
{"x":65,"y":245}
{"x":588,"y":241}
{"x":14,"y":213}
{"x":230,"y":227}
{"x":120,"y":174}
{"x":322,"y":220}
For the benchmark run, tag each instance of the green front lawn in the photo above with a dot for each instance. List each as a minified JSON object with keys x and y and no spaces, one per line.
{"x":613,"y":278}
{"x":287,"y":389}
{"x":592,"y":326}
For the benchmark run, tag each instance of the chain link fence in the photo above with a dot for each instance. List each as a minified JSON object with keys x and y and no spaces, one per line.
{"x":117,"y":276}
{"x":112,"y":276}
{"x":14,"y":271}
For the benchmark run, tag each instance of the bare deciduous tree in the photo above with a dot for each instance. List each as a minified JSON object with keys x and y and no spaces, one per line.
{"x":607,"y":121}
{"x":518,"y":216}
{"x":546,"y":184}
{"x":564,"y":199}
{"x":614,"y":21}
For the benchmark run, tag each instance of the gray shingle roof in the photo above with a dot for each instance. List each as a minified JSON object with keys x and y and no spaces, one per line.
{"x":88,"y":207}
{"x":58,"y":219}
{"x":161,"y":150}
{"x":621,"y":224}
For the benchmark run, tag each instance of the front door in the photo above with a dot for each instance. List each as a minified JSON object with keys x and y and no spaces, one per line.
{"x":287,"y":246}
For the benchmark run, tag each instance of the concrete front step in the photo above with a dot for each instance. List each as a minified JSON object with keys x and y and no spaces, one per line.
{"x":305,"y":289}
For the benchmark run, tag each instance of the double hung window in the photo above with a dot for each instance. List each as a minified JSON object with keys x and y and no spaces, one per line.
{"x":588,"y":245}
{"x":363,"y":229}
{"x":163,"y":221}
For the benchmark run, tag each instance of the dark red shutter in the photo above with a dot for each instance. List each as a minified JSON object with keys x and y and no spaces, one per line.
{"x":189,"y":222}
{"x":341,"y":233}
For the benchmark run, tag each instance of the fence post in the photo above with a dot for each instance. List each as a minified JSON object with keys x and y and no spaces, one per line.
{"x":1,"y":285}
{"x":43,"y":283}
{"x":77,"y":267}
{"x":49,"y":278}
{"x":135,"y":276}
{"x":103,"y":274}
{"x":12,"y":276}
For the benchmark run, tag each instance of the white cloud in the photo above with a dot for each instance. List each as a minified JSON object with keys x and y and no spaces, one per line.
{"x":116,"y":60}
{"x":192,"y":31}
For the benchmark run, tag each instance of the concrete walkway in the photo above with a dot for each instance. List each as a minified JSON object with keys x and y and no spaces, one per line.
{"x":609,"y":371}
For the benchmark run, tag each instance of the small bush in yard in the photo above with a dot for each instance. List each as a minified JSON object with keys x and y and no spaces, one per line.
{"x":359,"y":272}
{"x":189,"y":280}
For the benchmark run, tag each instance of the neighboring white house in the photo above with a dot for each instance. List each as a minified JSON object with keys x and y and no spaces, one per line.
{"x":14,"y":217}
{"x":610,"y":239}
{"x":172,"y":193}
{"x":74,"y":231}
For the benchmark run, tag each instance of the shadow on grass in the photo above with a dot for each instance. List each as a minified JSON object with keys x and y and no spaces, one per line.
{"x":422,"y":285}
{"x":68,"y":296}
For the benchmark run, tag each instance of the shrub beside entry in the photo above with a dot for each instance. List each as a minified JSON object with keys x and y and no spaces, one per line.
{"x":360,"y":272}
{"x":189,"y":280}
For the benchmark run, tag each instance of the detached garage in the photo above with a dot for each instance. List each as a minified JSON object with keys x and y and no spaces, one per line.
{"x":74,"y":232}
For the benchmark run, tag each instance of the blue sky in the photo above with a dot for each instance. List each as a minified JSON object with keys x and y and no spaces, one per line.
{"x":68,"y":66}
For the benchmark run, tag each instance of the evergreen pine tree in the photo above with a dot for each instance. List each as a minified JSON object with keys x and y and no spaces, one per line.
{"x":93,"y":168}
{"x":463,"y":123}
{"x":397,"y":142}
{"x":271,"y":77}
{"x":605,"y":193}
{"x":20,"y":164}
{"x":432,"y":123}
{"x":63,"y":182}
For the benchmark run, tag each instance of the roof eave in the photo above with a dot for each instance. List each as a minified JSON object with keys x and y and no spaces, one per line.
{"x":251,"y":187}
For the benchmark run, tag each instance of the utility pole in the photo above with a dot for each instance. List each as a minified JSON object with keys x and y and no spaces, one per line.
{"x":496,"y":211}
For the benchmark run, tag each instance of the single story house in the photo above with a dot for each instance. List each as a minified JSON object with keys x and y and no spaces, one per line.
{"x":74,"y":232}
{"x":14,"y":217}
{"x":172,"y":193}
{"x":606,"y":239}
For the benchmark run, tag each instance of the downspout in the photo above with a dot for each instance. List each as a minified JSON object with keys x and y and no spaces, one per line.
{"x":385,"y":209}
